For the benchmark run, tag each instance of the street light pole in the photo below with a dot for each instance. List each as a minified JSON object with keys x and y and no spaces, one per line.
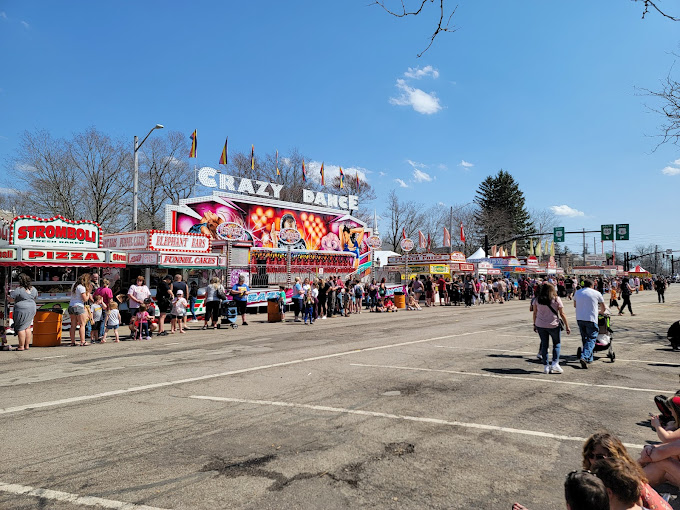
{"x":135,"y":185}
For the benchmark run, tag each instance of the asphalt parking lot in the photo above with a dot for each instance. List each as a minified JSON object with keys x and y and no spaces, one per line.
{"x":444,"y":408}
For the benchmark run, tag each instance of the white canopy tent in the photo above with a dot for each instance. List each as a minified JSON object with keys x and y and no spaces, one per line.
{"x":382,"y":255}
{"x":479,"y":254}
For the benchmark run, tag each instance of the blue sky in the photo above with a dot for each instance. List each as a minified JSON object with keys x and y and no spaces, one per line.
{"x":544,"y":90}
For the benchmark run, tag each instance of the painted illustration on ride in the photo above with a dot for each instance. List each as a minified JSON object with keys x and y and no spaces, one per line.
{"x":272,"y":227}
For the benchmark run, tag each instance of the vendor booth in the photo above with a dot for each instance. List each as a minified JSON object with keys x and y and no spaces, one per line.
{"x":155,"y":253}
{"x":420,"y":264}
{"x":54,"y":252}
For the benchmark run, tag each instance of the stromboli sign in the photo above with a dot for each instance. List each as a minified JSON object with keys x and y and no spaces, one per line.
{"x":57,"y":232}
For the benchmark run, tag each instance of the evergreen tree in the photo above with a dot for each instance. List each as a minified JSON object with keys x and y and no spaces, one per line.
{"x":502,"y":212}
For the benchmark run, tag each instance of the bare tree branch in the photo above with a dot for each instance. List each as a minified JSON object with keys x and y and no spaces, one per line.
{"x":652,"y":4}
{"x":668,"y":110}
{"x":441,"y":27}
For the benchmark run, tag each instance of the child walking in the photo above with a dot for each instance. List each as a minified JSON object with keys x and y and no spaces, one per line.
{"x":179,"y":310}
{"x":112,"y":321}
{"x":308,"y":310}
{"x":282,"y":302}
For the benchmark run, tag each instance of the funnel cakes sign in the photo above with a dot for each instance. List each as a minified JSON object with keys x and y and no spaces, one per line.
{"x":55,"y":232}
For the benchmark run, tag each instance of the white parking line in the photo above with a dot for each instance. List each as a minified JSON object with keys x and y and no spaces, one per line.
{"x":50,"y":357}
{"x":538,"y":379}
{"x":657,"y":362}
{"x":75,"y":499}
{"x":436,"y":421}
{"x":147,"y":387}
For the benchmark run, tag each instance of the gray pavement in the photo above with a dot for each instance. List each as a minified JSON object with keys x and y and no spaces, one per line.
{"x":444,"y":408}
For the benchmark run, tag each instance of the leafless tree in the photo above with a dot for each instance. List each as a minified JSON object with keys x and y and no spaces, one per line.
{"x":165,"y":177}
{"x":101,"y":166}
{"x":653,"y":5}
{"x":400,"y":216}
{"x":668,"y":108}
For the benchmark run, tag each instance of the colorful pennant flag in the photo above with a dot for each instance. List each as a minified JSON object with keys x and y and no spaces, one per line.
{"x":252,"y":157}
{"x":462,"y":233}
{"x":403,"y":233}
{"x":342,"y":179}
{"x":513,"y":249}
{"x":429,"y":241}
{"x":422,"y":243}
{"x":304,"y":172}
{"x":494,"y":251}
{"x":194,"y":144}
{"x":223,"y":157}
{"x":552,"y":249}
{"x":539,"y":249}
{"x":530,"y":251}
{"x":278,"y":172}
{"x":447,"y":238}
{"x":546,"y":250}
{"x":358,"y":181}
{"x":323,"y":176}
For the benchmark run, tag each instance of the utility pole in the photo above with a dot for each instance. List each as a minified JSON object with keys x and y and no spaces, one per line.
{"x":584,"y":246}
{"x":451,"y":230}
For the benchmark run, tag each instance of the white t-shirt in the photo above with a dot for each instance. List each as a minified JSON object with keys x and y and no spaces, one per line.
{"x":113,"y":318}
{"x":587,"y":302}
{"x":140,"y":292}
{"x":77,"y":296}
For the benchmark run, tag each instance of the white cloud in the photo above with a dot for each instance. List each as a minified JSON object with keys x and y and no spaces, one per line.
{"x":418,"y":73}
{"x":420,"y":176}
{"x":26,"y":25}
{"x":565,"y":210}
{"x":465,"y":164}
{"x":676,"y":162}
{"x":332,"y":171}
{"x":382,"y":174}
{"x":671,"y":170}
{"x":401,"y":183}
{"x":441,"y":204}
{"x":415,"y":164}
{"x":419,"y":100}
{"x":24,"y":167}
{"x":3,"y":15}
{"x":442,"y":166}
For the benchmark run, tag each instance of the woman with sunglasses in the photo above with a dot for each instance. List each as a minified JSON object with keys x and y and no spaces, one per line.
{"x":604,"y":445}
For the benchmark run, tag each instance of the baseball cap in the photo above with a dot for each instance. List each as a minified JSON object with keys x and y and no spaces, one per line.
{"x":167,"y":277}
{"x":179,"y":292}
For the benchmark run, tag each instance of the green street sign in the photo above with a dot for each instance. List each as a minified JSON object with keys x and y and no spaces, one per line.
{"x":607,"y":232}
{"x":622,"y":232}
{"x":558,"y":234}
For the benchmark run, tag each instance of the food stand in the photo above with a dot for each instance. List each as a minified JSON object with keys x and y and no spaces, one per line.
{"x":436,"y":264}
{"x":54,"y":252}
{"x":155,"y":253}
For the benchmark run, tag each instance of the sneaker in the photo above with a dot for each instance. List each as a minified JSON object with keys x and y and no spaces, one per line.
{"x":546,"y":369}
{"x":148,"y":338}
{"x":555,"y":368}
{"x":193,"y":320}
{"x":538,"y":356}
{"x":584,"y":365}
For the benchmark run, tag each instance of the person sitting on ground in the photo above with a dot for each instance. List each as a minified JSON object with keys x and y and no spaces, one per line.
{"x":605,"y":445}
{"x":622,"y":481}
{"x":412,"y":303}
{"x":582,"y":491}
{"x":660,"y":462}
{"x":381,"y":306}
{"x":389,"y":305}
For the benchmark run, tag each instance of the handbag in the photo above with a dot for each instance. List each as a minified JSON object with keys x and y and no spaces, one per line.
{"x":220,"y":294}
{"x":558,"y":318}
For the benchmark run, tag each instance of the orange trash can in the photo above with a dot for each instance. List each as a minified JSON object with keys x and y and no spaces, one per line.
{"x":273,"y":313}
{"x":47,"y":328}
{"x":400,"y":300}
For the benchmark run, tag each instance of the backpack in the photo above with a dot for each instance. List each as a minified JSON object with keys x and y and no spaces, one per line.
{"x":358,"y":292}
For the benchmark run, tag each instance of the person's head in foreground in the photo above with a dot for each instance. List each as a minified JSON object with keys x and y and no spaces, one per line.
{"x":622,"y":481}
{"x":585,"y":491}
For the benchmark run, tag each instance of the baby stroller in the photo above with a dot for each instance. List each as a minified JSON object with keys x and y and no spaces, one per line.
{"x":229,"y":314}
{"x":604,"y":337}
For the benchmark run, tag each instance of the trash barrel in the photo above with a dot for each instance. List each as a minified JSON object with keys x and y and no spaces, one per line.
{"x":399,"y":300}
{"x":273,"y":313}
{"x":47,"y":328}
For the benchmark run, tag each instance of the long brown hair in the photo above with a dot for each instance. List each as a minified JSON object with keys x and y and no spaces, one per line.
{"x":614,"y":447}
{"x":25,"y":281}
{"x":546,"y":294}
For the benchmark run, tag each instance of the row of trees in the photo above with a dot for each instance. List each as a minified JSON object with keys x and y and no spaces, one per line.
{"x":498,"y":213}
{"x":90,"y":176}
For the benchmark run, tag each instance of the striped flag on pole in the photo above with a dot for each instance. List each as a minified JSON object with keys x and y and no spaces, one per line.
{"x":358,"y":181}
{"x":403,"y":233}
{"x":447,"y":238}
{"x":462,"y":233}
{"x":223,"y":157}
{"x":194,"y":144}
{"x":342,"y":179}
{"x":252,"y":157}
{"x":422,"y":242}
{"x":304,"y":172}
{"x":323,"y":176}
{"x":278,"y":172}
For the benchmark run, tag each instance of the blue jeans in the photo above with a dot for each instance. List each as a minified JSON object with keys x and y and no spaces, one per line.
{"x":308,"y":312}
{"x":544,"y":334}
{"x":589,"y":332}
{"x":102,"y":326}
